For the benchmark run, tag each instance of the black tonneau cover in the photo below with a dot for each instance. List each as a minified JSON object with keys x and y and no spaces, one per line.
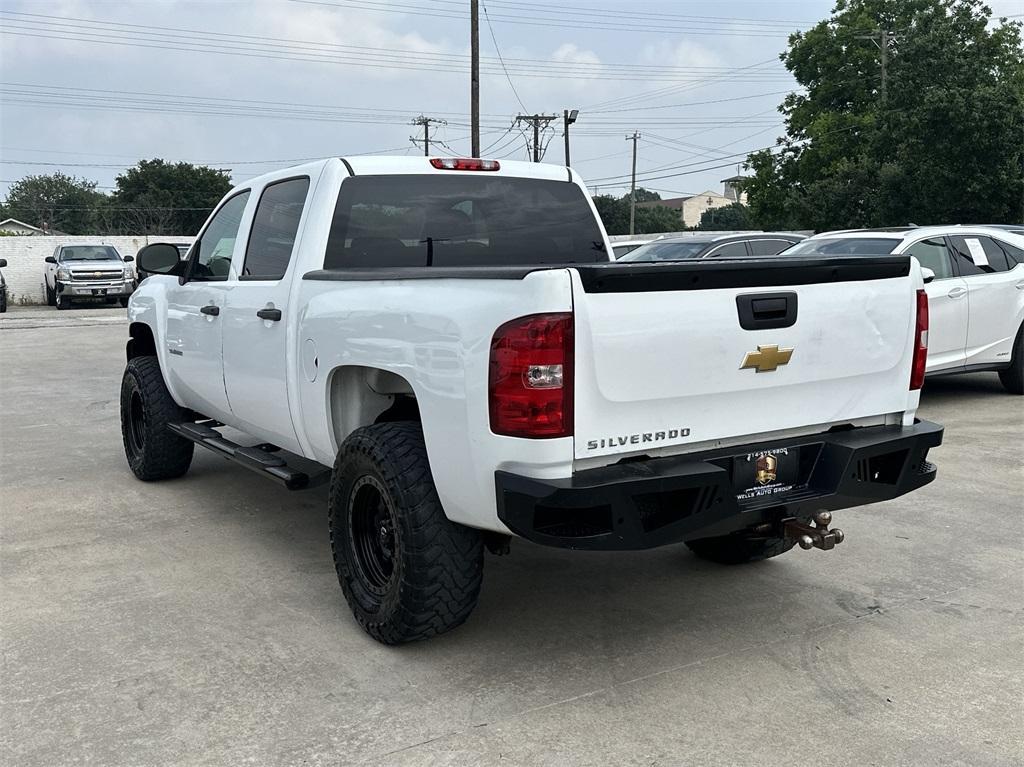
{"x":619,"y":277}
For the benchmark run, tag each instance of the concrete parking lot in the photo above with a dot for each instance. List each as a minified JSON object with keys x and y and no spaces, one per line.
{"x":199,"y":621}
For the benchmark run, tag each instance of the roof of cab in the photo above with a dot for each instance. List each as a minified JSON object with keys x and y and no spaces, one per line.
{"x":374,"y":165}
{"x":915,"y":232}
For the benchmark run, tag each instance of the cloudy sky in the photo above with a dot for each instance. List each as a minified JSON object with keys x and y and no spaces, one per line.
{"x":91,"y":87}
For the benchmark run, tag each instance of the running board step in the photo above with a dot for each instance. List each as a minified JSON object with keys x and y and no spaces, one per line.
{"x":259,"y":458}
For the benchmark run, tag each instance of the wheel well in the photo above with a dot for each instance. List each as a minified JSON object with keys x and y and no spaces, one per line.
{"x":360,"y":396}
{"x":141,"y":342}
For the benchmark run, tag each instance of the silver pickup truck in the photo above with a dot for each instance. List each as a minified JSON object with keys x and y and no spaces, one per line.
{"x":88,"y":271}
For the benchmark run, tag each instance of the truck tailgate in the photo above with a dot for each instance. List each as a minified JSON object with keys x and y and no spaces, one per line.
{"x":661,"y":349}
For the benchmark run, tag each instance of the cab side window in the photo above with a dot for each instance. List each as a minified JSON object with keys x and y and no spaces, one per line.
{"x":274,"y":228}
{"x":768,"y":247}
{"x":978,"y":255}
{"x":729,"y":249}
{"x":211,"y":254}
{"x":934,"y":255}
{"x":1014,"y":255}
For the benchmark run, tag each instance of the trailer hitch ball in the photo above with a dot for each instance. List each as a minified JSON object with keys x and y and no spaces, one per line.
{"x":817,"y":536}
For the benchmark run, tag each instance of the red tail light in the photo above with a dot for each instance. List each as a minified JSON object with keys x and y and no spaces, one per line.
{"x":530,"y":383}
{"x":464,"y":163}
{"x":920,"y":343}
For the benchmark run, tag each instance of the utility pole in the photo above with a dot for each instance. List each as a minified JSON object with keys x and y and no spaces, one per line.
{"x":425,"y":122}
{"x":632,"y":184}
{"x":535,"y":121}
{"x":474,"y":76}
{"x":570,"y":118}
{"x":882,"y":38}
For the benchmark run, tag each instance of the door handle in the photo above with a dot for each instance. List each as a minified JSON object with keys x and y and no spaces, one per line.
{"x":957,"y":292}
{"x":274,"y":315}
{"x":211,"y":310}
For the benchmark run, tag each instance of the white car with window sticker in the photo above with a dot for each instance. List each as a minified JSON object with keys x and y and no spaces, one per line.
{"x":975,"y":283}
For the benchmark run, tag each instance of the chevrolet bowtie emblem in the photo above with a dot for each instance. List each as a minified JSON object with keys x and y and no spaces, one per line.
{"x":766,"y":358}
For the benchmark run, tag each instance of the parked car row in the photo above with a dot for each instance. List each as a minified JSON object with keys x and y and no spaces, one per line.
{"x":91,"y":272}
{"x":974,"y":278}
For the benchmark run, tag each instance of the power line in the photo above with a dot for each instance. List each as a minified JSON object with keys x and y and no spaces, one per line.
{"x":537,"y":18}
{"x":504,"y":69}
{"x":190,"y":40}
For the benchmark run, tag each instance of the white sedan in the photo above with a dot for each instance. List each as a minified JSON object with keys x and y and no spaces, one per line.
{"x":975,"y":286}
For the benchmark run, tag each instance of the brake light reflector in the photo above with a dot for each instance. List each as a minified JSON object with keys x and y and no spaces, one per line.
{"x":920,"y":343}
{"x":464,"y":163}
{"x":530,"y":379}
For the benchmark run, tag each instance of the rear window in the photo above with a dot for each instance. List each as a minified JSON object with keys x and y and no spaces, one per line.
{"x":461,"y":220}
{"x":669,"y":251}
{"x":844,"y":246}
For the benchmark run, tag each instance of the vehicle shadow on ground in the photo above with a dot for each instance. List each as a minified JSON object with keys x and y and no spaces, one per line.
{"x":547,"y":601}
{"x":964,"y":388}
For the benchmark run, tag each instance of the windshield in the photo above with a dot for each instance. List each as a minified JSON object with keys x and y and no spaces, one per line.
{"x":621,"y":250}
{"x":844,"y":246}
{"x":461,"y":220}
{"x":89,"y":253}
{"x":676,"y":250}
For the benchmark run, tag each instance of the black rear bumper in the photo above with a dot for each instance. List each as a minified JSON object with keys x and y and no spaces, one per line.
{"x":653,"y":502}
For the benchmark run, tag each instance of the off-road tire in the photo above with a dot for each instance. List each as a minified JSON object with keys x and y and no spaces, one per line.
{"x":152,"y":451}
{"x":739,"y":549}
{"x":1013,"y":377}
{"x":51,"y":296}
{"x":436,"y":566}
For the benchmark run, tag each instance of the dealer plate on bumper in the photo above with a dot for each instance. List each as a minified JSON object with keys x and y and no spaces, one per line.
{"x":770,"y":475}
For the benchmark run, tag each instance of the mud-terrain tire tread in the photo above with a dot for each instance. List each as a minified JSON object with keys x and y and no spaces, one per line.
{"x":165,"y":455}
{"x":440,"y":567}
{"x":739,"y":550}
{"x":1012,"y":377}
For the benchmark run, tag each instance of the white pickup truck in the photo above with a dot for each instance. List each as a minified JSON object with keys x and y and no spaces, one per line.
{"x":451,"y":338}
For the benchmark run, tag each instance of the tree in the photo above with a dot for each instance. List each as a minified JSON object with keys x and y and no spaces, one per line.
{"x":56,"y":201}
{"x":614,"y":212}
{"x":735,"y":217}
{"x":942,"y":143}
{"x":157,"y":197}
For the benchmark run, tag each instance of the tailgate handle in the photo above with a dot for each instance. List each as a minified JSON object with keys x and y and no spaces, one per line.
{"x":765,"y":311}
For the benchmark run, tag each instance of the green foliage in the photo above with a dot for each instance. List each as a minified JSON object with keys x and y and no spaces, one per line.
{"x":614,"y":212}
{"x":945,"y":145}
{"x":735,"y":217}
{"x":56,"y":201}
{"x":157,"y":197}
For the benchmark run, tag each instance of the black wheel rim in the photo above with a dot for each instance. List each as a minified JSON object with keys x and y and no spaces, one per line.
{"x":136,"y":422}
{"x":372,"y":527}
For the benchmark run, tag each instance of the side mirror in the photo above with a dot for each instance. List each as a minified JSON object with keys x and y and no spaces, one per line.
{"x":160,"y":258}
{"x":928,"y":274}
{"x":50,"y":260}
{"x":128,"y":259}
{"x":3,"y":263}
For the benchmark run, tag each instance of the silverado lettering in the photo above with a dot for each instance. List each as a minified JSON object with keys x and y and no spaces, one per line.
{"x":636,"y":439}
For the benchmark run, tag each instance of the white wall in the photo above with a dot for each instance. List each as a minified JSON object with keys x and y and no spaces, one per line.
{"x":24,"y":270}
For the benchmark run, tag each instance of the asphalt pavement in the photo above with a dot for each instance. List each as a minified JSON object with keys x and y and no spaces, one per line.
{"x":199,"y":621}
